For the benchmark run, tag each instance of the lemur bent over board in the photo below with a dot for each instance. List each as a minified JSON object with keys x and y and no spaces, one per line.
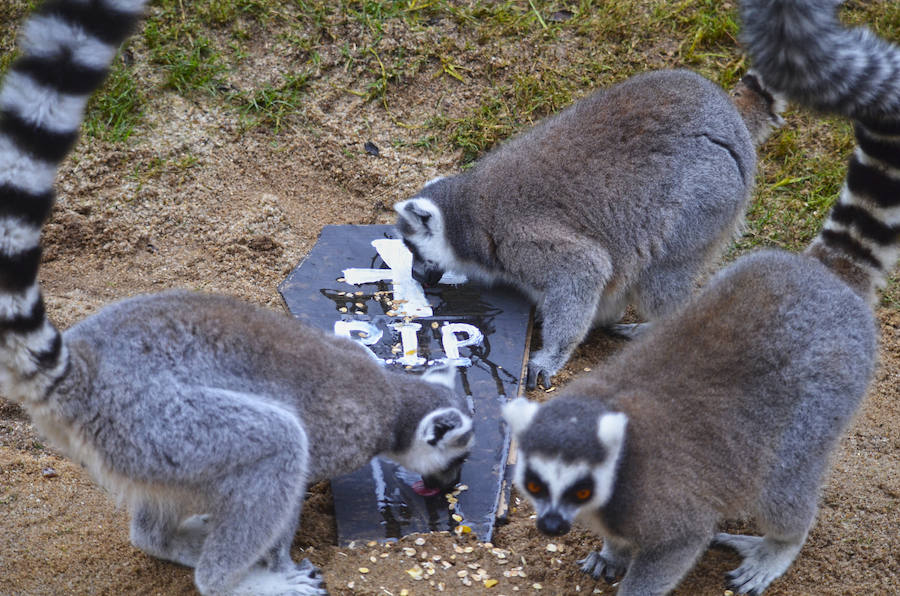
{"x":207,"y":416}
{"x":622,"y":198}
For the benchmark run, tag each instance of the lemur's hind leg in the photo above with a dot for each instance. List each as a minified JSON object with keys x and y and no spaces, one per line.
{"x":785,"y":512}
{"x":610,"y":311}
{"x":663,"y":287}
{"x":257,"y":507}
{"x":157,"y":529}
{"x":629,"y":330}
{"x":279,"y":556}
{"x":245,"y":460}
{"x":766,"y":558}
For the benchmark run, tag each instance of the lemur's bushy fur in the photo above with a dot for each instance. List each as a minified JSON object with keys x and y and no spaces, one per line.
{"x":207,"y":416}
{"x":623,"y":198}
{"x":734,"y":404}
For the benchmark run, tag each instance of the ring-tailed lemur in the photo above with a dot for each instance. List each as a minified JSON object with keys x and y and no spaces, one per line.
{"x":801,"y":49}
{"x":734,"y":404}
{"x":624,"y":197}
{"x":208,"y":416}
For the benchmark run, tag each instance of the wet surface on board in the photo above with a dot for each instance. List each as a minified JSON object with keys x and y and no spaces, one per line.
{"x":482,"y":331}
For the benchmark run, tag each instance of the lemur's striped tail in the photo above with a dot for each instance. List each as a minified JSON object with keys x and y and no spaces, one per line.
{"x":801,"y":49}
{"x":861,"y":237}
{"x":66,"y":49}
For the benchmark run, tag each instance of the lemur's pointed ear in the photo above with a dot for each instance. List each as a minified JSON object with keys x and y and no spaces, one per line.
{"x":446,"y":426}
{"x":611,"y":429}
{"x":418,"y":212}
{"x":519,"y":413}
{"x":441,"y":375}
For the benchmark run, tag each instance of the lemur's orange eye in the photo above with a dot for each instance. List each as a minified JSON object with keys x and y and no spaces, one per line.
{"x":533,"y":487}
{"x":583,"y":494}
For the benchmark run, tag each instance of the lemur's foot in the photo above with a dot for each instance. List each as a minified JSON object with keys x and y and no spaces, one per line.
{"x":541,"y":368}
{"x":628,"y":330}
{"x":765,"y":559}
{"x":303,"y":579}
{"x":596,"y":565}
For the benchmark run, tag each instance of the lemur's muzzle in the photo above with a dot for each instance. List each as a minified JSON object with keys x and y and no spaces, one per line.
{"x":426,"y":274}
{"x":443,"y":480}
{"x":553,"y":524}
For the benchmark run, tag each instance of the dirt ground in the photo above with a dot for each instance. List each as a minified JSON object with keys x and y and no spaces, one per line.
{"x":236,"y":220}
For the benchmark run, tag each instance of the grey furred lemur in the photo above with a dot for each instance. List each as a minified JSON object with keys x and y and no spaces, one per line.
{"x":207,"y":416}
{"x":622,"y":198}
{"x":734,"y":404}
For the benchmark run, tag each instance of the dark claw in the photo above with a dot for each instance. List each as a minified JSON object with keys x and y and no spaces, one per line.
{"x":531,"y":381}
{"x":739,"y":589}
{"x":538,"y":376}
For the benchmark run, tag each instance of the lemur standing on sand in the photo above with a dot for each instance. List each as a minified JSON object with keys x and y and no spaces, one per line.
{"x":623,"y":198}
{"x":734,"y":404}
{"x":207,"y":416}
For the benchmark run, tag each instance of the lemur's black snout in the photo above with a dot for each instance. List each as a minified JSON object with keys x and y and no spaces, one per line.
{"x":425,"y":275}
{"x":553,"y":524}
{"x":442,"y":481}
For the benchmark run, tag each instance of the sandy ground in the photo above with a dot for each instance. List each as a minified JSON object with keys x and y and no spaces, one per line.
{"x":236,"y":220}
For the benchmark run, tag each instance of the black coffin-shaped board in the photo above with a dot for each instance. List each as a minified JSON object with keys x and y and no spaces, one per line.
{"x":483,"y":331}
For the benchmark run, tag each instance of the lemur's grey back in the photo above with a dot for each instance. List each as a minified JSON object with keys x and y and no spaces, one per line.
{"x":205,"y":342}
{"x":659,"y":125}
{"x":776,"y":346}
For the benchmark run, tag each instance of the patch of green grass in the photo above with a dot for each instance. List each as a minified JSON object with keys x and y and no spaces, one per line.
{"x":890,"y":296}
{"x":882,"y":17}
{"x":172,"y":163}
{"x":373,"y":13}
{"x":494,"y":20}
{"x":271,"y":105}
{"x":705,"y":28}
{"x":197,"y":67}
{"x":527,"y":99}
{"x":114,"y":111}
{"x":5,"y":60}
{"x":12,"y":14}
{"x":226,"y":12}
{"x":799,"y":181}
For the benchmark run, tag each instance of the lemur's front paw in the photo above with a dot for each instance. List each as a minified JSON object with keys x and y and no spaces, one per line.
{"x":538,"y":375}
{"x":597,"y":566}
{"x":306,"y":566}
{"x":541,"y":368}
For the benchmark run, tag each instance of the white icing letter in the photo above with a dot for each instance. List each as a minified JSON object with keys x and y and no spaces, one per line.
{"x":368,"y":334}
{"x":452,"y":343}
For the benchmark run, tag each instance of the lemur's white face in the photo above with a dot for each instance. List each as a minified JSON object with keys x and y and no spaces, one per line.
{"x":560,"y":490}
{"x":421,"y":224}
{"x":443,"y":440}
